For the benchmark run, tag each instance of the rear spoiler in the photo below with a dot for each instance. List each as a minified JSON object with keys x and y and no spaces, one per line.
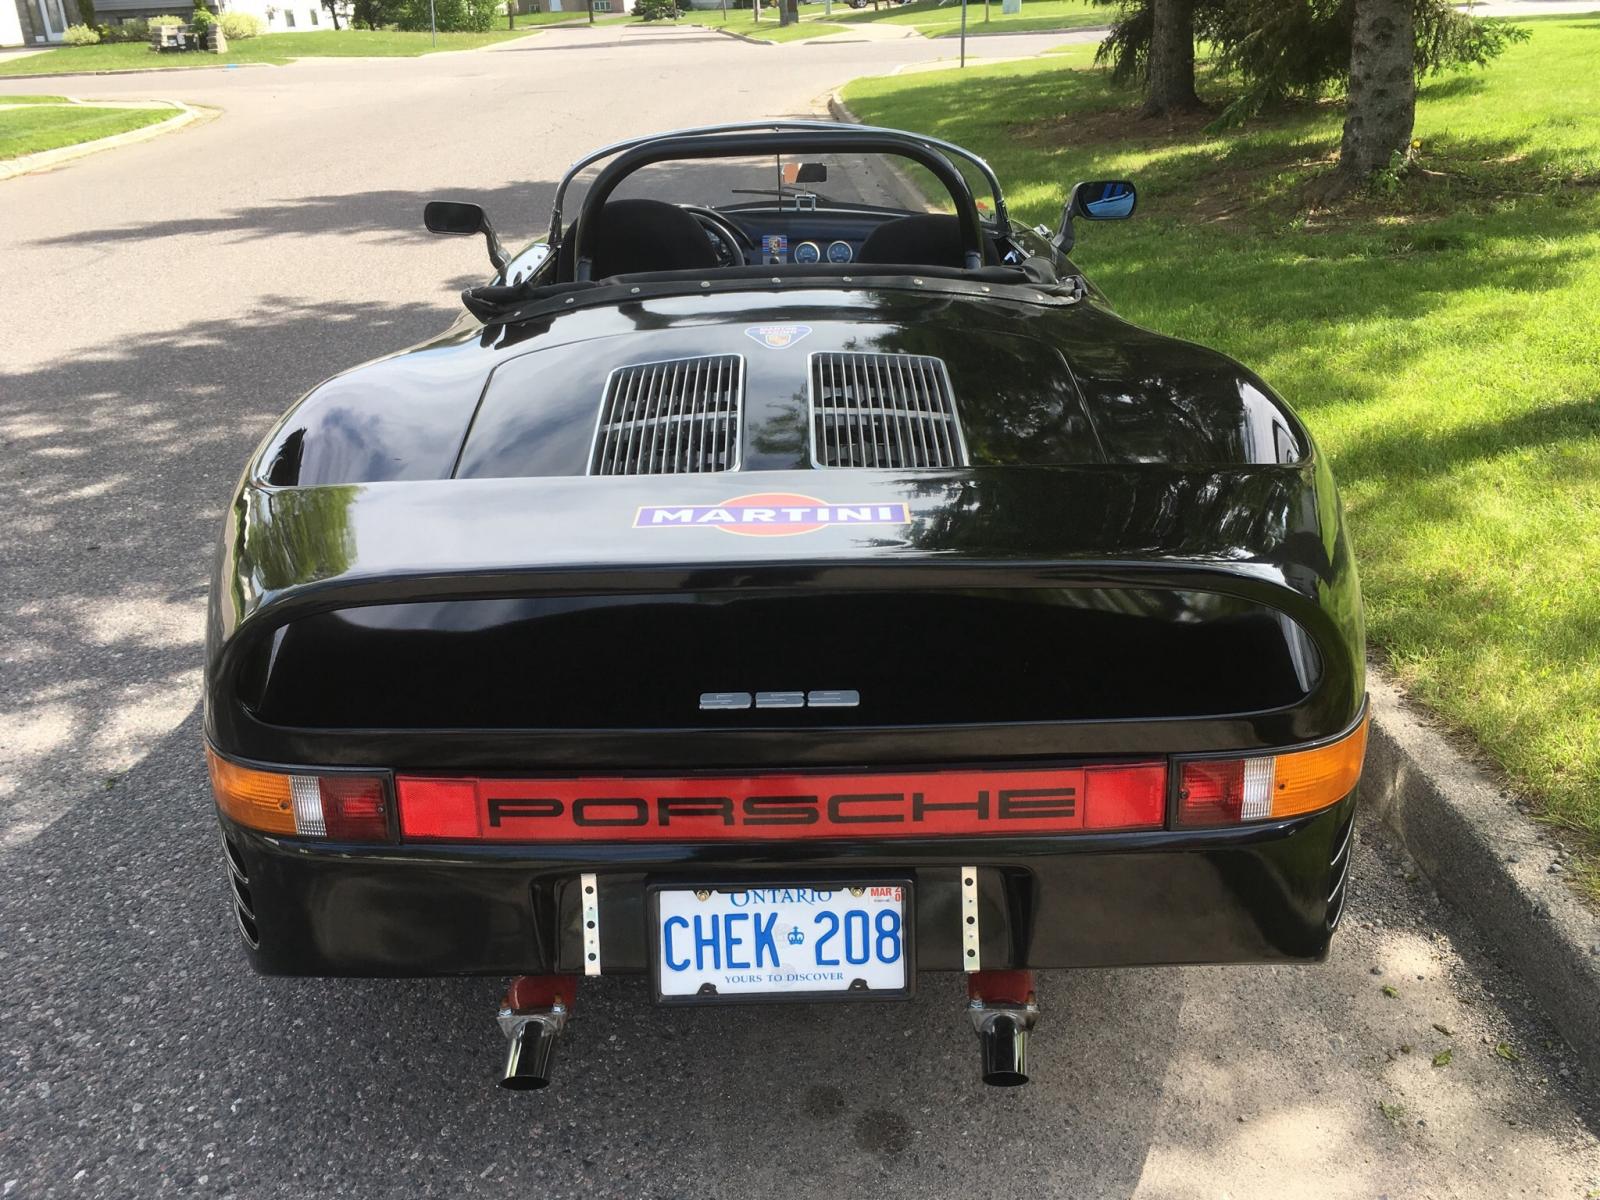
{"x":1268,"y":533}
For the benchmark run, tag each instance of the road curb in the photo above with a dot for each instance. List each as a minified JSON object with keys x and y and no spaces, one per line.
{"x":908,"y":193}
{"x":1487,"y":859}
{"x":738,"y":36}
{"x":137,"y":71}
{"x":46,"y":159}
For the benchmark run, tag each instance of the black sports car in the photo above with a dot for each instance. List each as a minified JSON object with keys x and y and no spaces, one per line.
{"x":777,"y":598}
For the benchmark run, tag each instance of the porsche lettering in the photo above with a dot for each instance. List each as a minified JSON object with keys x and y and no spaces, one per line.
{"x":845,"y":808}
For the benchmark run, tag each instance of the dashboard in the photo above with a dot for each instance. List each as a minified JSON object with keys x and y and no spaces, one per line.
{"x":775,"y":248}
{"x":767,"y":236}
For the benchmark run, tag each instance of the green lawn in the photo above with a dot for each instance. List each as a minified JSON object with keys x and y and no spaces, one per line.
{"x":767,"y":29}
{"x":1439,"y":335}
{"x":944,"y":20}
{"x":38,"y":126}
{"x":32,"y":100}
{"x":275,"y":48}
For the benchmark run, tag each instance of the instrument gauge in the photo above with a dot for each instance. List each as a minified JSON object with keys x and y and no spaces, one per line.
{"x":807,"y":252}
{"x":840,"y":252}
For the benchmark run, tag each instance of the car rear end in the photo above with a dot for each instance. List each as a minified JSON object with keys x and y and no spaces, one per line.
{"x":795,"y":735}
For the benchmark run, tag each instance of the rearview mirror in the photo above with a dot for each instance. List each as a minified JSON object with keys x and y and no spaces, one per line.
{"x":1099,"y":200}
{"x":459,"y":217}
{"x":805,"y":172}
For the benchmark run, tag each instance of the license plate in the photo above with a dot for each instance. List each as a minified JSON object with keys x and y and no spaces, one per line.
{"x":827,"y":941}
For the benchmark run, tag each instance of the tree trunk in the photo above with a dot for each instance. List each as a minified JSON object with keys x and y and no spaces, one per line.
{"x":1170,"y":85}
{"x":1382,"y":106}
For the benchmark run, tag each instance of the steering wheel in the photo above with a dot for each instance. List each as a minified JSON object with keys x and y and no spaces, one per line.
{"x":733,"y":246}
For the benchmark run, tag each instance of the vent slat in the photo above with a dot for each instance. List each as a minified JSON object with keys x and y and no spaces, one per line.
{"x":667,"y":418}
{"x":940,"y":428}
{"x":883,"y":410}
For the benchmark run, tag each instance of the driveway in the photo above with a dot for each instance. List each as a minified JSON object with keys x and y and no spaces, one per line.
{"x":162,"y":304}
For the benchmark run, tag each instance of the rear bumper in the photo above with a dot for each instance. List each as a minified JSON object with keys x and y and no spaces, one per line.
{"x":1266,"y":893}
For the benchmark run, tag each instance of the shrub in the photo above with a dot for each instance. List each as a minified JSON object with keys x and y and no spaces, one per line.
{"x":167,"y":19}
{"x":237,"y":25}
{"x":80,"y":35}
{"x":452,"y":15}
{"x":202,"y":19}
{"x":656,"y":10}
{"x":128,"y":31}
{"x":376,"y":14}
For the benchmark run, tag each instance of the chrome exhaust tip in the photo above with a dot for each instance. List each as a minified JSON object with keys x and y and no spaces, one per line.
{"x":1003,"y":1040}
{"x":1003,"y":1009}
{"x":532,"y":1017}
{"x":531,"y":1055}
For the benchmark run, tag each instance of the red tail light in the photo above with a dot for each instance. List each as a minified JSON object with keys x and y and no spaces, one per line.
{"x":354,"y":808}
{"x":1212,"y":793}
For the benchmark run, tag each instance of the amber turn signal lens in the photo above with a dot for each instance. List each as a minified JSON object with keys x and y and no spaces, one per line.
{"x":256,"y":799}
{"x":1311,"y":779}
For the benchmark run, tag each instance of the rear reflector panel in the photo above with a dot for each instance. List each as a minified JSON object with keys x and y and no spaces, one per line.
{"x":1125,"y":797}
{"x":783,"y":807}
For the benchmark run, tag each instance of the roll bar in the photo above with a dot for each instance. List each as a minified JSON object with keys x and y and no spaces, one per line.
{"x":1002,"y":220}
{"x":830,"y":139}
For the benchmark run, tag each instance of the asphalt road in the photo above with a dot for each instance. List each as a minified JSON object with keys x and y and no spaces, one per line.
{"x":160,"y":305}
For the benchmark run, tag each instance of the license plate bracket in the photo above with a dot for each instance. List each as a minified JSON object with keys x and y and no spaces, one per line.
{"x":776,"y":910}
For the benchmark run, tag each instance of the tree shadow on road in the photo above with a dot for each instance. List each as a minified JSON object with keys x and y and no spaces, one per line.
{"x":519,"y":210}
{"x":396,"y":213}
{"x":115,"y":471}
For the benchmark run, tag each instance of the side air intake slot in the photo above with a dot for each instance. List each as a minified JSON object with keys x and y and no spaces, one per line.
{"x":670,"y":418}
{"x":883,"y":410}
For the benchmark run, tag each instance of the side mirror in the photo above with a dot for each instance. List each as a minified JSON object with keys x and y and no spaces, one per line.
{"x":1099,"y":200}
{"x":458,"y":217}
{"x":1104,"y":200}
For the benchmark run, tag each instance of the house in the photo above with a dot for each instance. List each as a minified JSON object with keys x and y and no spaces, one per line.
{"x":276,"y":16}
{"x":29,"y":22}
{"x":575,"y":7}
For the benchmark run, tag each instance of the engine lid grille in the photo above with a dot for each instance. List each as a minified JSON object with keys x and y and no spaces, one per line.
{"x":674,"y":417}
{"x":883,"y":410}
